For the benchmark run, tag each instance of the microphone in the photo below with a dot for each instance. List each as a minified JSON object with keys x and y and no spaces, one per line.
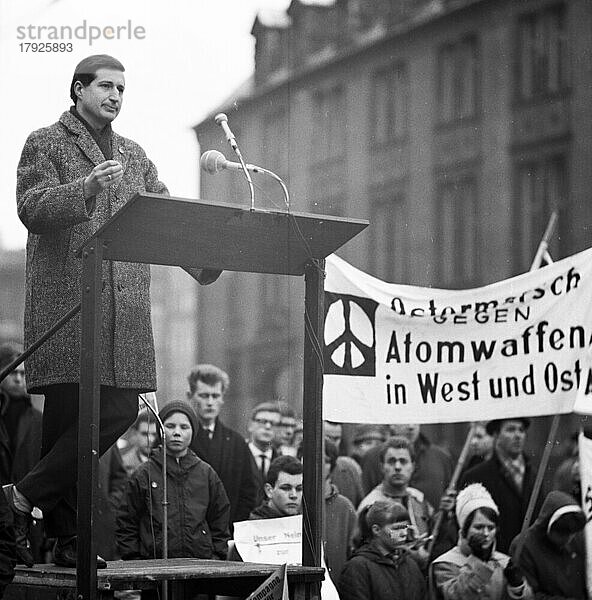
{"x":213,"y":162}
{"x":222,"y":120}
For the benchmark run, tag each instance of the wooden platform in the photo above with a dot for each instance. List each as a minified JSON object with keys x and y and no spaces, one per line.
{"x":187,"y":576}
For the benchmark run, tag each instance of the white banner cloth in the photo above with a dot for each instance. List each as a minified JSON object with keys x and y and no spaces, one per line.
{"x":404,"y":354}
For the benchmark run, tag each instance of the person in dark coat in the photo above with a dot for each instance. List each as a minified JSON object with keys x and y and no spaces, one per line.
{"x":221,"y":447}
{"x":71,"y":178}
{"x":339,"y":524}
{"x":553,"y":557}
{"x":112,"y":481}
{"x":507,"y":475}
{"x":7,"y":545}
{"x":20,"y":441}
{"x":265,"y":419}
{"x":198,"y":507}
{"x":381,"y":567}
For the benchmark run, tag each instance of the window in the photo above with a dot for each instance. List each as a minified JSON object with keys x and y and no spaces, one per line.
{"x":390,"y":236}
{"x":458,"y":76}
{"x":328,"y":136}
{"x":542,"y":53}
{"x":390,"y":98}
{"x":541,"y":186}
{"x":457,"y":227}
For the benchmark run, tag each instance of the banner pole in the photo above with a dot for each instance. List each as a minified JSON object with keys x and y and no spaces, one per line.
{"x":452,"y":485}
{"x":542,"y":253}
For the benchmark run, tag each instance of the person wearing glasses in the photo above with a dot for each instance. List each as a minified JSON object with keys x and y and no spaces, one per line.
{"x":265,"y":420}
{"x":218,"y":445}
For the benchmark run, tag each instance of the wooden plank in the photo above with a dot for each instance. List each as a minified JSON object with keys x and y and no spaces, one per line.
{"x":206,"y":576}
{"x":312,"y":414}
{"x":88,"y":420}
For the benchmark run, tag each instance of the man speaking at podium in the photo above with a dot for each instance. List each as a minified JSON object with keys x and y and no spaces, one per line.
{"x":72,"y":177}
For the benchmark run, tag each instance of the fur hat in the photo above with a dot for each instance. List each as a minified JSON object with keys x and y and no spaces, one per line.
{"x":471,"y":498}
{"x":183,"y":407}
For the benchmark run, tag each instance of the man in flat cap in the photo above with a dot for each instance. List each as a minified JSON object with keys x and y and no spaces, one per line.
{"x":507,"y":475}
{"x":71,"y":178}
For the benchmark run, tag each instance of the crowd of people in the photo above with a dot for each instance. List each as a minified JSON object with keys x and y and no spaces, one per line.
{"x":382,"y":494}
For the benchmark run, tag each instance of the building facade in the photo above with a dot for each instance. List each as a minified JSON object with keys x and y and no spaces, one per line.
{"x":455,"y":126}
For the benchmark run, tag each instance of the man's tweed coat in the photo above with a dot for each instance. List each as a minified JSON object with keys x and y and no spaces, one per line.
{"x":50,"y":200}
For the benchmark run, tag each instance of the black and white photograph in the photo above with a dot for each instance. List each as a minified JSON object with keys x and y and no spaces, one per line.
{"x":295,"y":299}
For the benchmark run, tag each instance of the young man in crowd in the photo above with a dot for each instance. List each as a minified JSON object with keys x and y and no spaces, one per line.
{"x":507,"y":475}
{"x":144,"y":435}
{"x":432,"y":469}
{"x":221,"y":447}
{"x":283,"y":490}
{"x":265,"y":420}
{"x":397,"y":457}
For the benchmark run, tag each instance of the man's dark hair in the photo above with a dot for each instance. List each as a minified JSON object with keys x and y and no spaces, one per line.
{"x":208,"y":374}
{"x":265,"y":407}
{"x":397,"y":442}
{"x":287,"y":464}
{"x":86,"y":70}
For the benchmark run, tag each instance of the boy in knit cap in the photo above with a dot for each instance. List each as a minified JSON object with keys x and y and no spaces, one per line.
{"x":474,"y":569}
{"x":198,"y":508}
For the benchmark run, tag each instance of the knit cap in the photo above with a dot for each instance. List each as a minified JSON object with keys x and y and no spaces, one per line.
{"x":471,"y":498}
{"x":183,"y":407}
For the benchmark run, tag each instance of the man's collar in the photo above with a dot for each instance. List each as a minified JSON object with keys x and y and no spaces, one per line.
{"x":256,"y":450}
{"x":503,"y":458}
{"x":211,"y":427}
{"x":101,"y":131}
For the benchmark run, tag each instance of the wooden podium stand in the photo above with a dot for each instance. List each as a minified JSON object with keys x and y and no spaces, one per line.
{"x":157,"y":229}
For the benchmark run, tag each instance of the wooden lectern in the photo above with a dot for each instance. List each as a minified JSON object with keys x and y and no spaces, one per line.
{"x":157,"y":229}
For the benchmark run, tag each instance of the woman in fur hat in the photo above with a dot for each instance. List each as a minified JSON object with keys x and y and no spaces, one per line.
{"x":474,"y":569}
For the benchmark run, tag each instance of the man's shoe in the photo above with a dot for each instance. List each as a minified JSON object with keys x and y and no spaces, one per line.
{"x":21,"y":522}
{"x":65,"y":552}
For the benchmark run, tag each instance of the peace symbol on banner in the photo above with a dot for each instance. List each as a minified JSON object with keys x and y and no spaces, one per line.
{"x":350,"y":335}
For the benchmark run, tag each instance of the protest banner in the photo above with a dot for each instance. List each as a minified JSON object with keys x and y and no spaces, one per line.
{"x":272,"y":541}
{"x":275,"y":587}
{"x":585,"y":456}
{"x":399,"y":353}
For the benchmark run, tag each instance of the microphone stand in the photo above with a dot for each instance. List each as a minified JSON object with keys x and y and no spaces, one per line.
{"x":257,"y":169}
{"x":165,"y":503}
{"x":247,"y":175}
